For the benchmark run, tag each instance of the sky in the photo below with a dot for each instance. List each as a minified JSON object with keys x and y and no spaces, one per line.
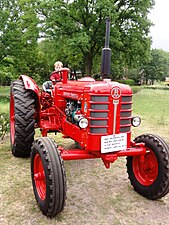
{"x":160,"y":31}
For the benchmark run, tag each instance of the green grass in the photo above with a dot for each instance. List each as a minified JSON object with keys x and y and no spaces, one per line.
{"x":153,"y":107}
{"x":4,"y":99}
{"x":4,"y":107}
{"x":4,"y":90}
{"x":4,"y":110}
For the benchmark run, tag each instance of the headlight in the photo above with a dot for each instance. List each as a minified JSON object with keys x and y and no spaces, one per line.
{"x":83,"y":123}
{"x":135,"y":121}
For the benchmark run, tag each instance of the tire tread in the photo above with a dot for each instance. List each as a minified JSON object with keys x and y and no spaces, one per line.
{"x":24,"y":110}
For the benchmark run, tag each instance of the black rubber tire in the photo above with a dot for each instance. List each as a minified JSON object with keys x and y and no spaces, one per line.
{"x":160,"y":186}
{"x":55,"y":176}
{"x":23,"y":108}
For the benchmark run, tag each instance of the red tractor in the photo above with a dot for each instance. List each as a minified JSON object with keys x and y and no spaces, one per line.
{"x":95,"y":114}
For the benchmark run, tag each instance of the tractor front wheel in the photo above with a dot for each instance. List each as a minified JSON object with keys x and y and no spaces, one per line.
{"x":48,"y":176}
{"x":149,"y":174}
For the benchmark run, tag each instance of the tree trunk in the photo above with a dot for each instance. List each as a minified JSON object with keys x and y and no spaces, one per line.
{"x":88,"y":65}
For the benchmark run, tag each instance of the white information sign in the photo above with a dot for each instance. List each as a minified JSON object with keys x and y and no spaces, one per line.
{"x":112,"y":143}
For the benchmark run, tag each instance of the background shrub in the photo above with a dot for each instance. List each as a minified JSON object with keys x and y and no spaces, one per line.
{"x":136,"y":89}
{"x":4,"y":125}
{"x":127,"y":81}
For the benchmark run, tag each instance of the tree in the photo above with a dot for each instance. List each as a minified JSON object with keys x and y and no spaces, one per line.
{"x":18,"y":34}
{"x":158,"y":66}
{"x":74,"y":33}
{"x":79,"y":26}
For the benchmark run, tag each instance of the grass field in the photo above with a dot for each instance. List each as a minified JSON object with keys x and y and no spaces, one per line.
{"x":4,"y":90}
{"x":4,"y":107}
{"x":95,"y":195}
{"x":153,"y":107}
{"x":4,"y":99}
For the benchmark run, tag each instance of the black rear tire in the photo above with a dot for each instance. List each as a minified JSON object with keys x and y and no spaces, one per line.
{"x":150,"y":178}
{"x":48,"y":176}
{"x":22,"y":119}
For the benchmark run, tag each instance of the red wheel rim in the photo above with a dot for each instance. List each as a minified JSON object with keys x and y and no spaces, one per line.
{"x":39,"y":177}
{"x":146,"y":171}
{"x":12,"y":118}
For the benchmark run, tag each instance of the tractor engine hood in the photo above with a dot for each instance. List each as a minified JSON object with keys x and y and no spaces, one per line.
{"x":75,"y":89}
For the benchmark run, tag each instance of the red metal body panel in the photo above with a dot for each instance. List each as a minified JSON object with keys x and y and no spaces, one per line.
{"x":106,"y":105}
{"x":83,"y":90}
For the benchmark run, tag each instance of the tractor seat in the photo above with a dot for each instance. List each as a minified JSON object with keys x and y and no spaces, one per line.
{"x":46,"y":86}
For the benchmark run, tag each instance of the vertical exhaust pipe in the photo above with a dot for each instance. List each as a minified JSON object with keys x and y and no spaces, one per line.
{"x":106,"y":53}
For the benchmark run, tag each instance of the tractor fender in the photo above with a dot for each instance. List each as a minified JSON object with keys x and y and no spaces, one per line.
{"x":30,"y":84}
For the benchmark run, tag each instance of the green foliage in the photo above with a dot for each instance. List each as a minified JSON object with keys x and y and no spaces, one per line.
{"x":4,"y":90}
{"x":5,"y":76}
{"x":35,"y":34}
{"x":127,"y":81}
{"x":19,"y":34}
{"x":81,"y":32}
{"x":158,"y":66}
{"x":4,"y":110}
{"x":4,"y":96}
{"x":136,"y":89}
{"x":4,"y":99}
{"x":157,"y":87}
{"x":4,"y":125}
{"x":134,"y":74}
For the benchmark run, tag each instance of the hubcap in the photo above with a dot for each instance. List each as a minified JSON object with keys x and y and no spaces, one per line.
{"x":39,"y":177}
{"x":146,"y":171}
{"x":12,"y":119}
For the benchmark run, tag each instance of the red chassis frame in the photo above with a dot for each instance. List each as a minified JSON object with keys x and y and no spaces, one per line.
{"x":137,"y":149}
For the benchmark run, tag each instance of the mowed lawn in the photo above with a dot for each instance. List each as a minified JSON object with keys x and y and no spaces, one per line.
{"x":95,"y":195}
{"x":153,"y":107}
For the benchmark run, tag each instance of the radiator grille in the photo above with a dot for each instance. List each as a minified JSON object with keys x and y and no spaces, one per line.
{"x":126,"y":98}
{"x":99,"y":98}
{"x":99,"y":114}
{"x":100,"y":106}
{"x":98,"y":122}
{"x":125,"y":114}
